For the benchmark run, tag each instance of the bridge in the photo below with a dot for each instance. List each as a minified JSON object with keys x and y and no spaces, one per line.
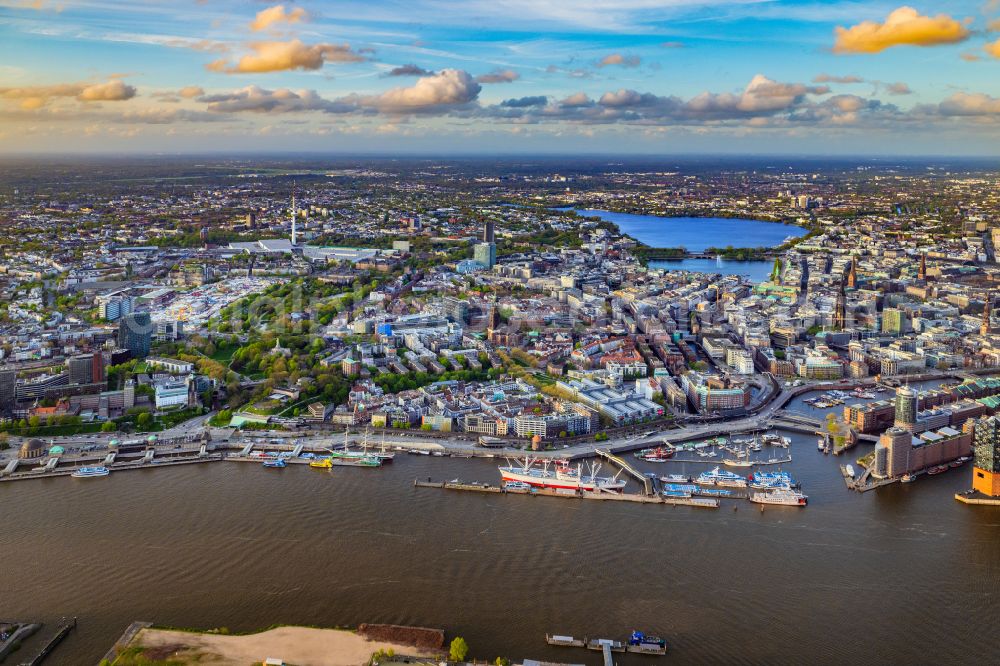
{"x":624,"y":464}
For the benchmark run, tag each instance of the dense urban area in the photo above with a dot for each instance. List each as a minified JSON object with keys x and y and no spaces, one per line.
{"x":481,"y":300}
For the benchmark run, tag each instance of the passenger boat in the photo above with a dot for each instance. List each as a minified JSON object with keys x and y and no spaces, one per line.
{"x":770,"y":480}
{"x":937,"y":469}
{"x":559,"y":476}
{"x":516,"y":485}
{"x":90,"y":472}
{"x":820,"y":444}
{"x":782,"y":496}
{"x":644,"y":643}
{"x":278,"y":463}
{"x":908,"y":478}
{"x":658,"y":454}
{"x":721,"y":477}
{"x":675,"y":478}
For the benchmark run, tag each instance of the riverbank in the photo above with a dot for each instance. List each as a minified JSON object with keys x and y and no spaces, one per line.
{"x":302,"y":646}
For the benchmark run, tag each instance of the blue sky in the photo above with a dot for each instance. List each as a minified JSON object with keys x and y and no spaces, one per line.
{"x":643,"y":76}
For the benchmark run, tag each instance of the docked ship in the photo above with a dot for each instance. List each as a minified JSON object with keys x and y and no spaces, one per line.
{"x":559,"y":476}
{"x":761,"y":480}
{"x":937,"y":469}
{"x":783,"y":496}
{"x":657,"y":454}
{"x":90,"y":472}
{"x":276,"y":463}
{"x":721,"y":477}
{"x":675,"y":478}
{"x":347,"y":453}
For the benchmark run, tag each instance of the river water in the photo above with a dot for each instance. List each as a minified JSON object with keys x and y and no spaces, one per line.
{"x":902,"y":574}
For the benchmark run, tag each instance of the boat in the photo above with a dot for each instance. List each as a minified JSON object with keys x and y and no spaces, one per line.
{"x":737,"y":462}
{"x":657,"y":454}
{"x":782,"y":496}
{"x":347,"y":453}
{"x":516,"y":485}
{"x":559,"y":476}
{"x":675,"y":478}
{"x":958,"y":462}
{"x":850,"y":470}
{"x":646,"y":644}
{"x":280,"y":462}
{"x":820,"y":444}
{"x":90,"y":472}
{"x":937,"y":469}
{"x":908,"y":478}
{"x":761,"y":480}
{"x":721,"y":477}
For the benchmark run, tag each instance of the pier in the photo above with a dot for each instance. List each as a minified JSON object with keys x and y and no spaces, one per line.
{"x":703,"y":502}
{"x":63,"y":631}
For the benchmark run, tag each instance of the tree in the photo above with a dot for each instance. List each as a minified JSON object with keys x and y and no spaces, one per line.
{"x":144,"y":420}
{"x":34,"y":421}
{"x":108,"y":426}
{"x":459,"y":649}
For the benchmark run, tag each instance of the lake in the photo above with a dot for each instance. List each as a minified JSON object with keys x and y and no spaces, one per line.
{"x":696,"y":234}
{"x":757,"y":271}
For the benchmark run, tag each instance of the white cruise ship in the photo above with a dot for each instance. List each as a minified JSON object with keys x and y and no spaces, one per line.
{"x":783,"y":496}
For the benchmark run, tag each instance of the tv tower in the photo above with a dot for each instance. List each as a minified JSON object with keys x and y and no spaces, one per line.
{"x":294,"y":215}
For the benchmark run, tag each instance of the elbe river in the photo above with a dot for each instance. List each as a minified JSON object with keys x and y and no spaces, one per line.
{"x":904,"y":574}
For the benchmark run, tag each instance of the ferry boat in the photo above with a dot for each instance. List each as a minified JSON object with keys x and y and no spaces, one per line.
{"x":675,"y":478}
{"x":937,"y":469}
{"x":783,"y":496}
{"x":516,"y":485}
{"x":279,"y":463}
{"x":321,"y":463}
{"x":559,"y":476}
{"x":641,"y":642}
{"x":721,"y":477}
{"x":90,"y":472}
{"x":658,"y":454}
{"x":676,"y":494}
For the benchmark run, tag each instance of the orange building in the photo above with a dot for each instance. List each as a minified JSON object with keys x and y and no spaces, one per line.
{"x":986,"y":468}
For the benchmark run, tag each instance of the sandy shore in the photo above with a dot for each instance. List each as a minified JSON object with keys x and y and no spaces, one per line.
{"x":301,"y":646}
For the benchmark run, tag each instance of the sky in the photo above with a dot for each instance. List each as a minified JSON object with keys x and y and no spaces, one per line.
{"x":501,"y":76}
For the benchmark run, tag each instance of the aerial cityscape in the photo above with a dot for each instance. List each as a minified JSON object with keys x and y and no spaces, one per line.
{"x":507,"y":333}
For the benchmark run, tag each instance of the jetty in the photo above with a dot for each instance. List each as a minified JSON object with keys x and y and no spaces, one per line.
{"x":702,"y":502}
{"x":65,"y":627}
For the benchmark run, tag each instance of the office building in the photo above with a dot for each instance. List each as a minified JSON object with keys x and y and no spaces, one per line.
{"x":906,"y":453}
{"x":986,"y":465}
{"x":485,"y":254}
{"x":455,"y":309}
{"x":135,"y":334}
{"x":488,"y":233}
{"x":8,"y":391}
{"x":895,"y":321}
{"x":906,"y":408}
{"x":114,"y":306}
{"x":85,"y":368}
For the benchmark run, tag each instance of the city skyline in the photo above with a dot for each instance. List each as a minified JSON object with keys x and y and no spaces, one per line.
{"x":640,"y":76}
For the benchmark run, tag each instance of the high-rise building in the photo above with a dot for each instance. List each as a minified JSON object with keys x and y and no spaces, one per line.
{"x":922,"y":272}
{"x":906,"y":408}
{"x":485,"y":254}
{"x":894,"y":321}
{"x":135,"y":331}
{"x":114,"y":307}
{"x":986,"y":465}
{"x":8,"y":391}
{"x":488,"y":233}
{"x":85,"y":368}
{"x":251,"y":220}
{"x":455,"y":309}
{"x":984,"y":328}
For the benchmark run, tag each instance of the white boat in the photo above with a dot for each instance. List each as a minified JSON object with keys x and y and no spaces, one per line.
{"x":721,"y":477}
{"x":782,"y":496}
{"x":559,"y":476}
{"x":820,"y":444}
{"x":89,"y":472}
{"x":675,"y":478}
